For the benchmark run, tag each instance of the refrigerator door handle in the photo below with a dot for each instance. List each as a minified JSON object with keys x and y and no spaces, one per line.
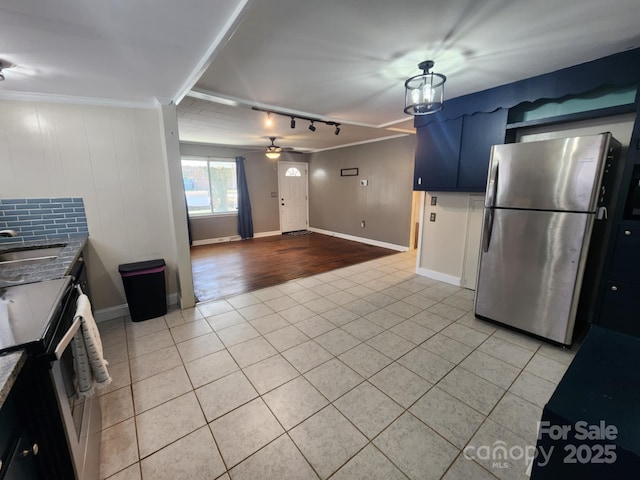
{"x":487,"y":226}
{"x":492,"y":186}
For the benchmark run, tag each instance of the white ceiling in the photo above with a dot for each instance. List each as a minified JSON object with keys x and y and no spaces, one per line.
{"x":338,"y":60}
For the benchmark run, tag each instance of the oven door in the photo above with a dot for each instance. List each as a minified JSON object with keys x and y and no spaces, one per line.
{"x":81,"y":416}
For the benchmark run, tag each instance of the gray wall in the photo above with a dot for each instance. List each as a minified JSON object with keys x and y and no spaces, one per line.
{"x":339,"y":204}
{"x":262,"y":179}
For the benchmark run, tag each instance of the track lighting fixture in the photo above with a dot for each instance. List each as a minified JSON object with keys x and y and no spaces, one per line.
{"x":269,"y":120}
{"x":1,"y":74}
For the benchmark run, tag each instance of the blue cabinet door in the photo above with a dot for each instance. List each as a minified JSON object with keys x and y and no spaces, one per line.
{"x":437,"y":152}
{"x":479,"y":132}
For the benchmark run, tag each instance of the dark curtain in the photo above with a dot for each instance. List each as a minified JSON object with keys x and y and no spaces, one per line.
{"x":245,"y":222}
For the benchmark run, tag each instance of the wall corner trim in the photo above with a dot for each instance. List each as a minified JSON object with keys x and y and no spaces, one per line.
{"x":441,"y":277}
{"x":368,"y":241}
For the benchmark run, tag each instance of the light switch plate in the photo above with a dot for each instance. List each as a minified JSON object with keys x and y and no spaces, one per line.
{"x":434,"y":200}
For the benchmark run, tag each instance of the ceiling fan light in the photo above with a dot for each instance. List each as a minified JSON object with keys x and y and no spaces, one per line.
{"x":273,"y":155}
{"x":424,"y":94}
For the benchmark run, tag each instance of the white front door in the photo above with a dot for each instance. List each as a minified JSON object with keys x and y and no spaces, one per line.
{"x":292,"y":187}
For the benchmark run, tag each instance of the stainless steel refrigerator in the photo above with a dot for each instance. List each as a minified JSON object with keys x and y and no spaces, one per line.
{"x":544,"y":202}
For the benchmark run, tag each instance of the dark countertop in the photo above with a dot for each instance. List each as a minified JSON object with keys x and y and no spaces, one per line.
{"x":11,"y":363}
{"x":10,"y":366}
{"x":601,"y":389}
{"x":56,"y":268}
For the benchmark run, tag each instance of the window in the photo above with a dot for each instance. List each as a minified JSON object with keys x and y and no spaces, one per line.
{"x":292,"y":172}
{"x":210,"y":185}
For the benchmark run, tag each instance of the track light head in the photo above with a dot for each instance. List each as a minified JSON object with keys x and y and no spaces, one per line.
{"x":268,"y":122}
{"x":337,"y":132}
{"x":293,"y":122}
{"x":312,"y":126}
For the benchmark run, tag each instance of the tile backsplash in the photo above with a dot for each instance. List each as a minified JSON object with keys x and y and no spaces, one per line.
{"x":42,"y":218}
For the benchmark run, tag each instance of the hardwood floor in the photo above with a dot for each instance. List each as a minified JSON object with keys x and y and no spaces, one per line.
{"x":226,"y":269}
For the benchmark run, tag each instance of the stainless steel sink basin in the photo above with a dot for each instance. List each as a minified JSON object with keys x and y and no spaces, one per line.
{"x":30,"y":255}
{"x":11,"y":281}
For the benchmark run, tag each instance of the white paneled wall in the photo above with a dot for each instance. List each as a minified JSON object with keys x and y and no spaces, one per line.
{"x":443,"y":242}
{"x":111,"y":157}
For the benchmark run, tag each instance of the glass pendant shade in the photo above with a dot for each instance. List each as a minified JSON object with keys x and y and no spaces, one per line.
{"x":424,"y":94}
{"x":273,"y":155}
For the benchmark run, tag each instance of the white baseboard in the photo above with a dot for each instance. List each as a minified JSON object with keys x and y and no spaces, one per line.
{"x":441,"y":277}
{"x":267,"y":234}
{"x":119,"y":311}
{"x":209,"y":241}
{"x":233,"y":238}
{"x":368,"y":241}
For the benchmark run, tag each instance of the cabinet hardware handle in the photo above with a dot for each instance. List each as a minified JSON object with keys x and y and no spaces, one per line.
{"x":627,"y":232}
{"x":34,"y":450}
{"x":614,"y":288}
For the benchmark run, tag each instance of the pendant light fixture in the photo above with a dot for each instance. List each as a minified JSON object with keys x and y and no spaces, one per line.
{"x":273,"y":151}
{"x":424,"y":94}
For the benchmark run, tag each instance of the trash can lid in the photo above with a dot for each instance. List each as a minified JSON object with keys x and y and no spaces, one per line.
{"x":134,"y":267}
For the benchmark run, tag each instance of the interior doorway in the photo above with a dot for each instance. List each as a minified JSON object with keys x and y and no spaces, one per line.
{"x":292,"y":196}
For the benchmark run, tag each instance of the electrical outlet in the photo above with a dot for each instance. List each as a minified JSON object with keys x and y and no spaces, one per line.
{"x":432,"y":217}
{"x":362,"y":224}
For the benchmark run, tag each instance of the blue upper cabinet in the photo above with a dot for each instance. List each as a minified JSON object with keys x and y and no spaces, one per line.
{"x":453,"y":146}
{"x":437,"y":155}
{"x":453,"y":155}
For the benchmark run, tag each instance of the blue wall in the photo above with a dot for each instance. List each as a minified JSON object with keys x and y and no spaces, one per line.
{"x":42,"y":218}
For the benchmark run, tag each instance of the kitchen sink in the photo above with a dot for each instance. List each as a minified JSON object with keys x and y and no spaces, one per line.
{"x":30,"y":255}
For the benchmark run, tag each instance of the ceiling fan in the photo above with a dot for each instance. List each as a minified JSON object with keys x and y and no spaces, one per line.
{"x":273,"y":151}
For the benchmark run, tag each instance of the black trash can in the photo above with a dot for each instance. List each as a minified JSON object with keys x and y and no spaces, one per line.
{"x":145,"y":288}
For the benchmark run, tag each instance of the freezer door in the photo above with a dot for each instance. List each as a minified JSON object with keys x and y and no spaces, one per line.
{"x":561,"y":174}
{"x":530,"y":273}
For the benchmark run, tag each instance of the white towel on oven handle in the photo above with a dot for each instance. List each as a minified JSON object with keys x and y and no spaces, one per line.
{"x":90,"y":365}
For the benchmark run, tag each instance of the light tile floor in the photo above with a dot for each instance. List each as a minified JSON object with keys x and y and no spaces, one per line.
{"x":368,"y":372}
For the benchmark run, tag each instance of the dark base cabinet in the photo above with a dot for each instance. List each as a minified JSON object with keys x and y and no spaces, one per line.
{"x":16,"y":454}
{"x":32,"y":441}
{"x":621,"y":308}
{"x":621,"y":301}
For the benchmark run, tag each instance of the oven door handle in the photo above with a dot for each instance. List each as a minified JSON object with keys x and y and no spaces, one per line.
{"x":66,"y":340}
